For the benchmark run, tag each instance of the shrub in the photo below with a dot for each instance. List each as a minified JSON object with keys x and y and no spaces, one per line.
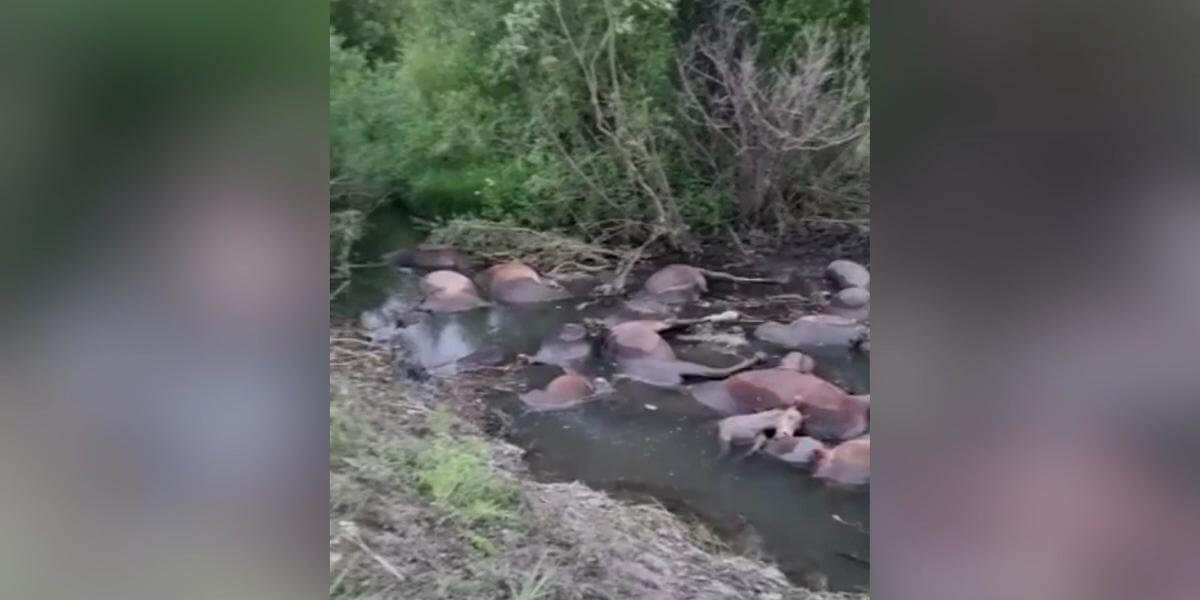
{"x":782,"y":136}
{"x":366,"y":120}
{"x":596,"y":117}
{"x":345,"y":228}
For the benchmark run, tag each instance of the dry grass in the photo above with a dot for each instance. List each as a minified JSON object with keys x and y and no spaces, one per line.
{"x":552,"y":253}
{"x":424,"y":506}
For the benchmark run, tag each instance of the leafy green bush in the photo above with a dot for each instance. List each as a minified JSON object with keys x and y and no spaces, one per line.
{"x":780,"y":21}
{"x":548,"y":114}
{"x":371,"y":27}
{"x":367,"y":119}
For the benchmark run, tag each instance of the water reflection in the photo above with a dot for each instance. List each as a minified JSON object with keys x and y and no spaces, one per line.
{"x":651,"y":441}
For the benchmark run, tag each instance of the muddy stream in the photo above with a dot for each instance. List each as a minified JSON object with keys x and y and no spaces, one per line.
{"x":644,"y":441}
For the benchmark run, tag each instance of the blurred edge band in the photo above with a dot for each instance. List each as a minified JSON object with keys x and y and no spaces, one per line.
{"x":1035,"y":250}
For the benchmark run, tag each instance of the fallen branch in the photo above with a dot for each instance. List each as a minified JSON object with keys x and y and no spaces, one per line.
{"x":854,"y":557}
{"x":788,"y":297}
{"x":350,"y":534}
{"x":552,"y":253}
{"x":627,"y":263}
{"x":863,"y":224}
{"x":722,"y":317}
{"x":737,"y":278}
{"x":737,"y":242}
{"x":571,"y":265}
{"x":339,"y":290}
{"x":857,"y":526}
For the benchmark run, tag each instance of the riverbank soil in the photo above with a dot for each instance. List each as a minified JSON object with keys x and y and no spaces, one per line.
{"x":424,"y":504}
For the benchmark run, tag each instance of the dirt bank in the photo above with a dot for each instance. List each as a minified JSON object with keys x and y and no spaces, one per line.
{"x":425,"y":505}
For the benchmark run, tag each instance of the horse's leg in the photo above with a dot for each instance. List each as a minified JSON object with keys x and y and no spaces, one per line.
{"x":760,"y":440}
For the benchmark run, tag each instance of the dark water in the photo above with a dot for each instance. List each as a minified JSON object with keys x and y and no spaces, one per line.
{"x":389,"y":228}
{"x":649,"y":442}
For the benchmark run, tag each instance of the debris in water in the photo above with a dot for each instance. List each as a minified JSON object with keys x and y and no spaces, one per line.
{"x":650,"y":407}
{"x":854,"y":557}
{"x":857,"y":526}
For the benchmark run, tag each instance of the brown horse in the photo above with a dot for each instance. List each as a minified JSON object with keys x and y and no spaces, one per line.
{"x":813,"y":331}
{"x":514,"y":282}
{"x":570,"y":347}
{"x":683,"y":283}
{"x":829,"y":412}
{"x":762,"y":389}
{"x":643,"y":354}
{"x":429,"y":256}
{"x":448,"y":291}
{"x":676,"y":283}
{"x":847,"y":464}
{"x":565,"y":391}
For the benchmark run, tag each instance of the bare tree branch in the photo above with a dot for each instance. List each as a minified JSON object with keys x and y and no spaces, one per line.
{"x":774,"y":130}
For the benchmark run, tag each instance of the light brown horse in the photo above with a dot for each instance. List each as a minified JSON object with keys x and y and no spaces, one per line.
{"x":846,"y":464}
{"x":448,"y":291}
{"x":565,"y":391}
{"x":642,"y":354}
{"x":829,"y":412}
{"x":570,"y":347}
{"x":813,"y":331}
{"x":514,"y":282}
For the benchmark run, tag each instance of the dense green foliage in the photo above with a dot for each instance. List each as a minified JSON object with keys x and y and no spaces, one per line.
{"x":564,"y":114}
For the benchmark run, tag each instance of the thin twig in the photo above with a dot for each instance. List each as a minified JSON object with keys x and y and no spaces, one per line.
{"x":340,"y":289}
{"x":737,"y":242}
{"x":854,"y":557}
{"x":349,"y":532}
{"x":618,"y":283}
{"x":387,"y":566}
{"x":367,"y":265}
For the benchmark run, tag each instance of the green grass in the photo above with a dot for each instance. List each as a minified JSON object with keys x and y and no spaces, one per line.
{"x":345,"y":436}
{"x":536,"y":583}
{"x":453,"y":472}
{"x":457,"y":476}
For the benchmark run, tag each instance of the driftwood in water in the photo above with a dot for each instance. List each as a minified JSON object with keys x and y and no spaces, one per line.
{"x":737,"y":278}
